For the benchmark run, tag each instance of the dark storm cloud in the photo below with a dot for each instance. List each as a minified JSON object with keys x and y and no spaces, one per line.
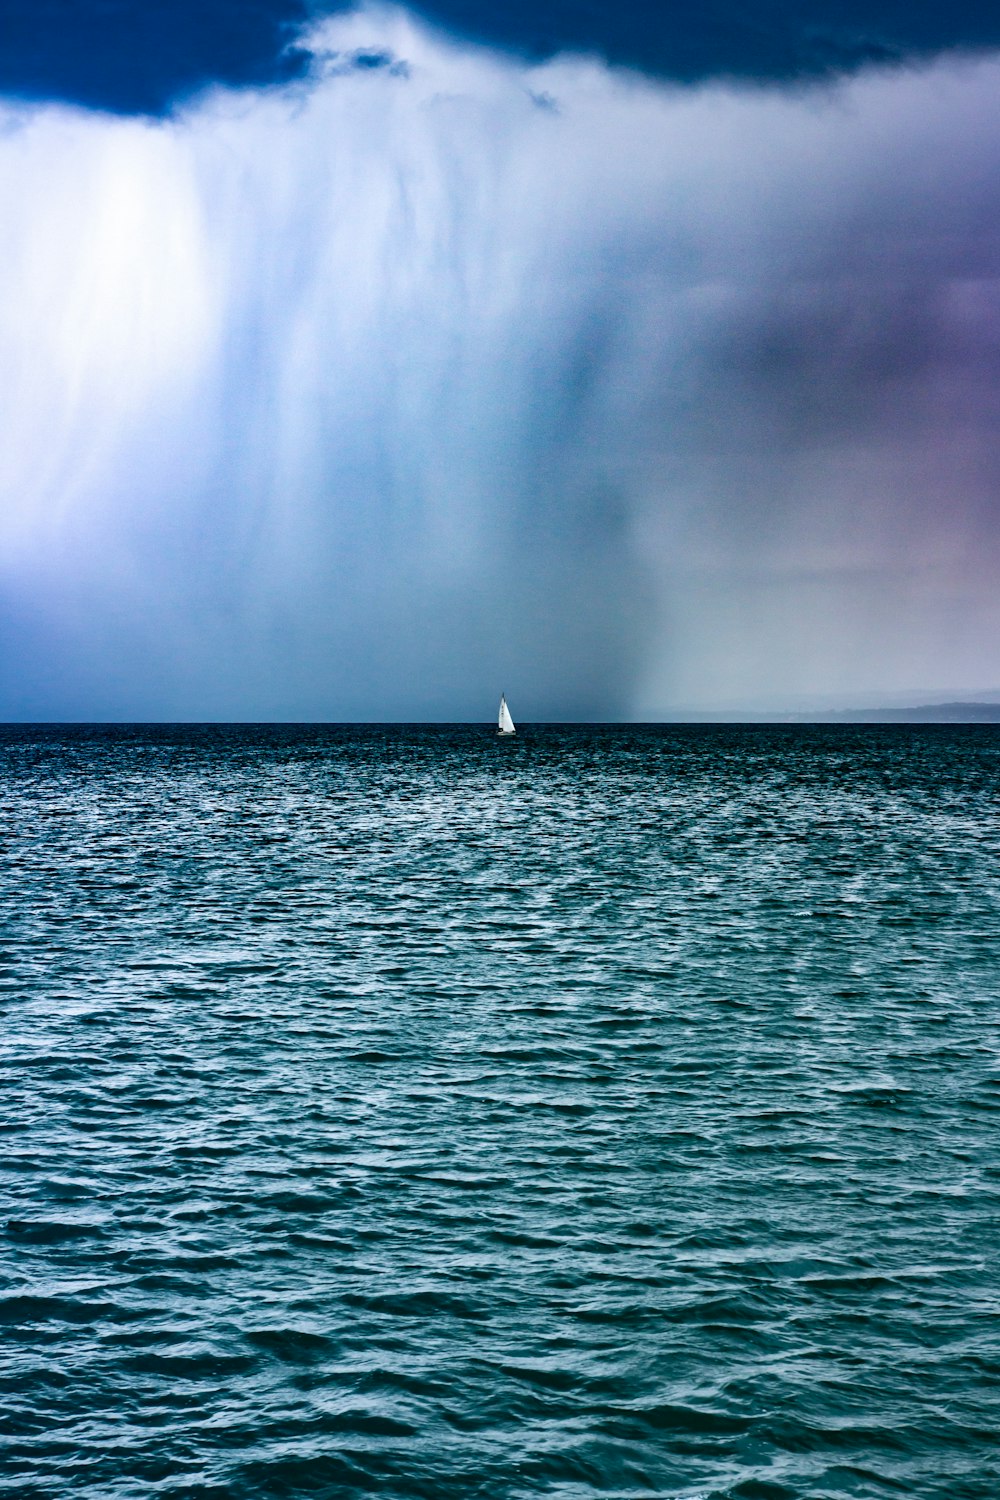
{"x":703,"y":39}
{"x":142,"y":56}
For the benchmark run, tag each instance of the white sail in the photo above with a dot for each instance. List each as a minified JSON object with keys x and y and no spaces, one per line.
{"x":505,"y":724}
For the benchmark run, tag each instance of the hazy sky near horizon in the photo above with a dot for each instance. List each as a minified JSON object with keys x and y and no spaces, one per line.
{"x":359,"y":364}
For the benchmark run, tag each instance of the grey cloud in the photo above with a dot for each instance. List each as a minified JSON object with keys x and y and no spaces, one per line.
{"x":367,"y":400}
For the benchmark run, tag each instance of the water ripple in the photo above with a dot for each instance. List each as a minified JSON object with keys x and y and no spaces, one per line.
{"x":609,"y":1112}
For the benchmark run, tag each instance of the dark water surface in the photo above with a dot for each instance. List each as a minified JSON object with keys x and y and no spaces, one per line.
{"x":407,"y":1112}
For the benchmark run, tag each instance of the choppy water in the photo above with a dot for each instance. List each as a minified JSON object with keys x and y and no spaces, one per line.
{"x":403,"y":1111}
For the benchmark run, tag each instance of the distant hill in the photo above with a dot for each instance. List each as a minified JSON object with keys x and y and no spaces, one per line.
{"x":924,"y":713}
{"x":982,"y":712}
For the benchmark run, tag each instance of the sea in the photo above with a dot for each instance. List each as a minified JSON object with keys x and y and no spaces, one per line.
{"x":609,"y":1111}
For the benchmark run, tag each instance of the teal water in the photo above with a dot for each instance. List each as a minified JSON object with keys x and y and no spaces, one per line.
{"x":403,"y":1111}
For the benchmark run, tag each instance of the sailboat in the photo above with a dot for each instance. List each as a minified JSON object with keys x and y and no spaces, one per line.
{"x":505,"y":724}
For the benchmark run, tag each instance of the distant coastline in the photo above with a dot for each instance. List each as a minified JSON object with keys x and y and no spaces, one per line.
{"x":923,"y":713}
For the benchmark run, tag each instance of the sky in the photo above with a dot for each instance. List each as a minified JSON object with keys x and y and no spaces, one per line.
{"x":357,"y":364}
